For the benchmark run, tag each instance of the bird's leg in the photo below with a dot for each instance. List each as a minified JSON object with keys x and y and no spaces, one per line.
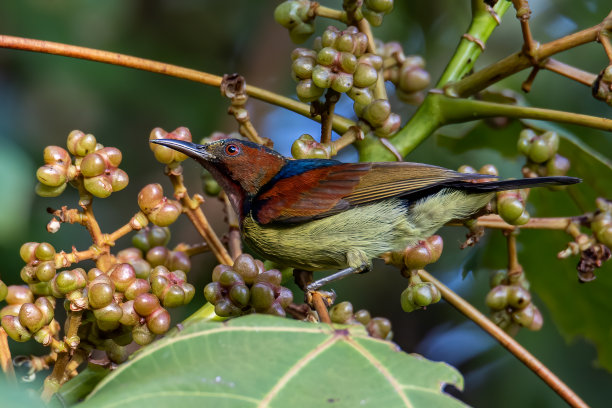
{"x":336,"y":276}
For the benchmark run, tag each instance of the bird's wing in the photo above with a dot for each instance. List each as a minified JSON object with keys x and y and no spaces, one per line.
{"x":316,"y":192}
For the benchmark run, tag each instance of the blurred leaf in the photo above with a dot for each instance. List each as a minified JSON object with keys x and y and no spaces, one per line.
{"x":578,"y":309}
{"x":247,"y":360}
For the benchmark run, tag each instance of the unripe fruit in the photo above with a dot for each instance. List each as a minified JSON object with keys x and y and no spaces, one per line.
{"x":15,"y":329}
{"x":31,"y":317}
{"x":47,"y":191}
{"x":262,"y":296}
{"x":93,"y":165}
{"x":122,"y":275}
{"x":45,"y":271}
{"x":137,"y":287}
{"x":100,"y":295}
{"x":129,"y":316}
{"x":213,"y":292}
{"x":51,"y":175}
{"x":80,"y":144}
{"x":518,"y":297}
{"x":17,"y":295}
{"x":145,"y":304}
{"x":363,"y":316}
{"x":497,"y":298}
{"x":246,"y":267}
{"x":341,"y":313}
{"x":109,"y":313}
{"x":379,"y":328}
{"x":158,"y":321}
{"x":142,"y":335}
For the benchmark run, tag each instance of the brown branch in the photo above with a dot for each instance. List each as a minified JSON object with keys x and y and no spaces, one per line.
{"x":6,"y":362}
{"x":92,"y":225}
{"x":327,"y":12}
{"x":191,"y":207}
{"x":59,"y":375}
{"x":191,"y":250}
{"x":604,"y":39}
{"x":341,"y":124}
{"x":320,"y":307}
{"x":327,"y":115}
{"x":523,"y":13}
{"x":495,"y":221}
{"x":519,"y":61}
{"x":508,"y":342}
{"x":578,"y":75}
{"x":235,"y":243}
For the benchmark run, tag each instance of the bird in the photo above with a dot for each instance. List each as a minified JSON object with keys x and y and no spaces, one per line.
{"x":323,"y":214}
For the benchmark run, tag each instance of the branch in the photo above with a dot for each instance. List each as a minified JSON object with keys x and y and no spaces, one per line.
{"x":519,"y":61}
{"x":508,"y":342}
{"x":341,"y":124}
{"x":6,"y":362}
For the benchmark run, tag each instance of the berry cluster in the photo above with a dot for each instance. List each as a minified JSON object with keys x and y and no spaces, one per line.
{"x":94,"y":166}
{"x":419,"y":294}
{"x":378,"y":327}
{"x":164,"y":154}
{"x":24,"y":317}
{"x":247,"y":287}
{"x":510,"y":303}
{"x":295,"y":16}
{"x":158,"y":208}
{"x":124,"y":303}
{"x":407,"y":73}
{"x":375,"y":10}
{"x":542,"y":156}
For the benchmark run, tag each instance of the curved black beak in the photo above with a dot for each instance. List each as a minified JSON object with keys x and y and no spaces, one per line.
{"x":189,"y":149}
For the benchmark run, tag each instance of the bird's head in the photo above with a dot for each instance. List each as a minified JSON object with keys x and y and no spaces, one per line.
{"x":240,"y":167}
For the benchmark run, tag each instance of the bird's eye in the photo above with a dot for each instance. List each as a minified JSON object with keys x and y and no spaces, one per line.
{"x":232,"y":150}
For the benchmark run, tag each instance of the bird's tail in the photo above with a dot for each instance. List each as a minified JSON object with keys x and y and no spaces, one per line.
{"x":514,"y":184}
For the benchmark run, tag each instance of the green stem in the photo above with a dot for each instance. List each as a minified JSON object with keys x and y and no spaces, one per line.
{"x":455,"y":110}
{"x":428,"y":117}
{"x":468,"y":51}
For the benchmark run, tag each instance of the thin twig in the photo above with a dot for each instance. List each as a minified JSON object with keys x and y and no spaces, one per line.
{"x":92,"y":225}
{"x":191,"y":207}
{"x":519,"y":61}
{"x":194,"y":249}
{"x":327,"y":12}
{"x":604,"y":39}
{"x":58,"y":376}
{"x":6,"y":360}
{"x":578,"y":75}
{"x":495,"y":221}
{"x":235,"y":243}
{"x":320,"y":307}
{"x":508,"y":342}
{"x":327,"y":115}
{"x":523,"y":13}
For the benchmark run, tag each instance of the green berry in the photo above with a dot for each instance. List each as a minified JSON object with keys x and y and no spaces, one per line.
{"x":3,"y":291}
{"x":272,"y":276}
{"x":341,"y":313}
{"x":28,"y":251}
{"x":239,"y":295}
{"x":322,"y":76}
{"x":213,"y":292}
{"x":226,"y":308}
{"x":497,"y":298}
{"x":150,"y":197}
{"x":229,"y":278}
{"x":119,"y":179}
{"x":45,"y":271}
{"x":100,"y":295}
{"x":158,"y":236}
{"x":122,"y":275}
{"x":99,"y":186}
{"x":109,"y":313}
{"x":342,"y":82}
{"x":93,"y":165}
{"x":31,"y":317}
{"x":146,"y":303}
{"x":363,"y":316}
{"x":129,"y":317}
{"x":46,"y":307}
{"x":285,"y":297}
{"x":365,"y":75}
{"x":178,"y":260}
{"x":173,"y":296}
{"x":518,"y":297}
{"x":262,"y":296}
{"x":18,"y":295}
{"x":157,"y":256}
{"x":247,"y":268}
{"x":51,"y":175}
{"x":379,"y":328}
{"x":142,"y":335}
{"x":81,"y":144}
{"x":137,"y":287}
{"x":15,"y":329}
{"x":46,"y":191}
{"x":307,"y":91}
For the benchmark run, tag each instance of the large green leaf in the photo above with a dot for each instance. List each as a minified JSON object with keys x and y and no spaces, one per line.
{"x":269,"y":361}
{"x":578,"y":309}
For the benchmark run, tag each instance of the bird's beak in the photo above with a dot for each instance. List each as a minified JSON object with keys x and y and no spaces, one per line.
{"x":193,"y":150}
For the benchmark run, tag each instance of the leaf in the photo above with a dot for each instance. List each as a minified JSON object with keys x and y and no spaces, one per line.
{"x":577,"y":309}
{"x":269,"y":361}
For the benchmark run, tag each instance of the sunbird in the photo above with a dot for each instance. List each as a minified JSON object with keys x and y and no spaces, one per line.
{"x":319,"y":214}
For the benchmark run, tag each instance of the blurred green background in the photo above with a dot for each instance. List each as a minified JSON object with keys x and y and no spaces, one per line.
{"x":43,"y":98}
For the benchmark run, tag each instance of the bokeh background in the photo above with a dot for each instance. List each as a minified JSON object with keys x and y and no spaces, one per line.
{"x":43,"y":98}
